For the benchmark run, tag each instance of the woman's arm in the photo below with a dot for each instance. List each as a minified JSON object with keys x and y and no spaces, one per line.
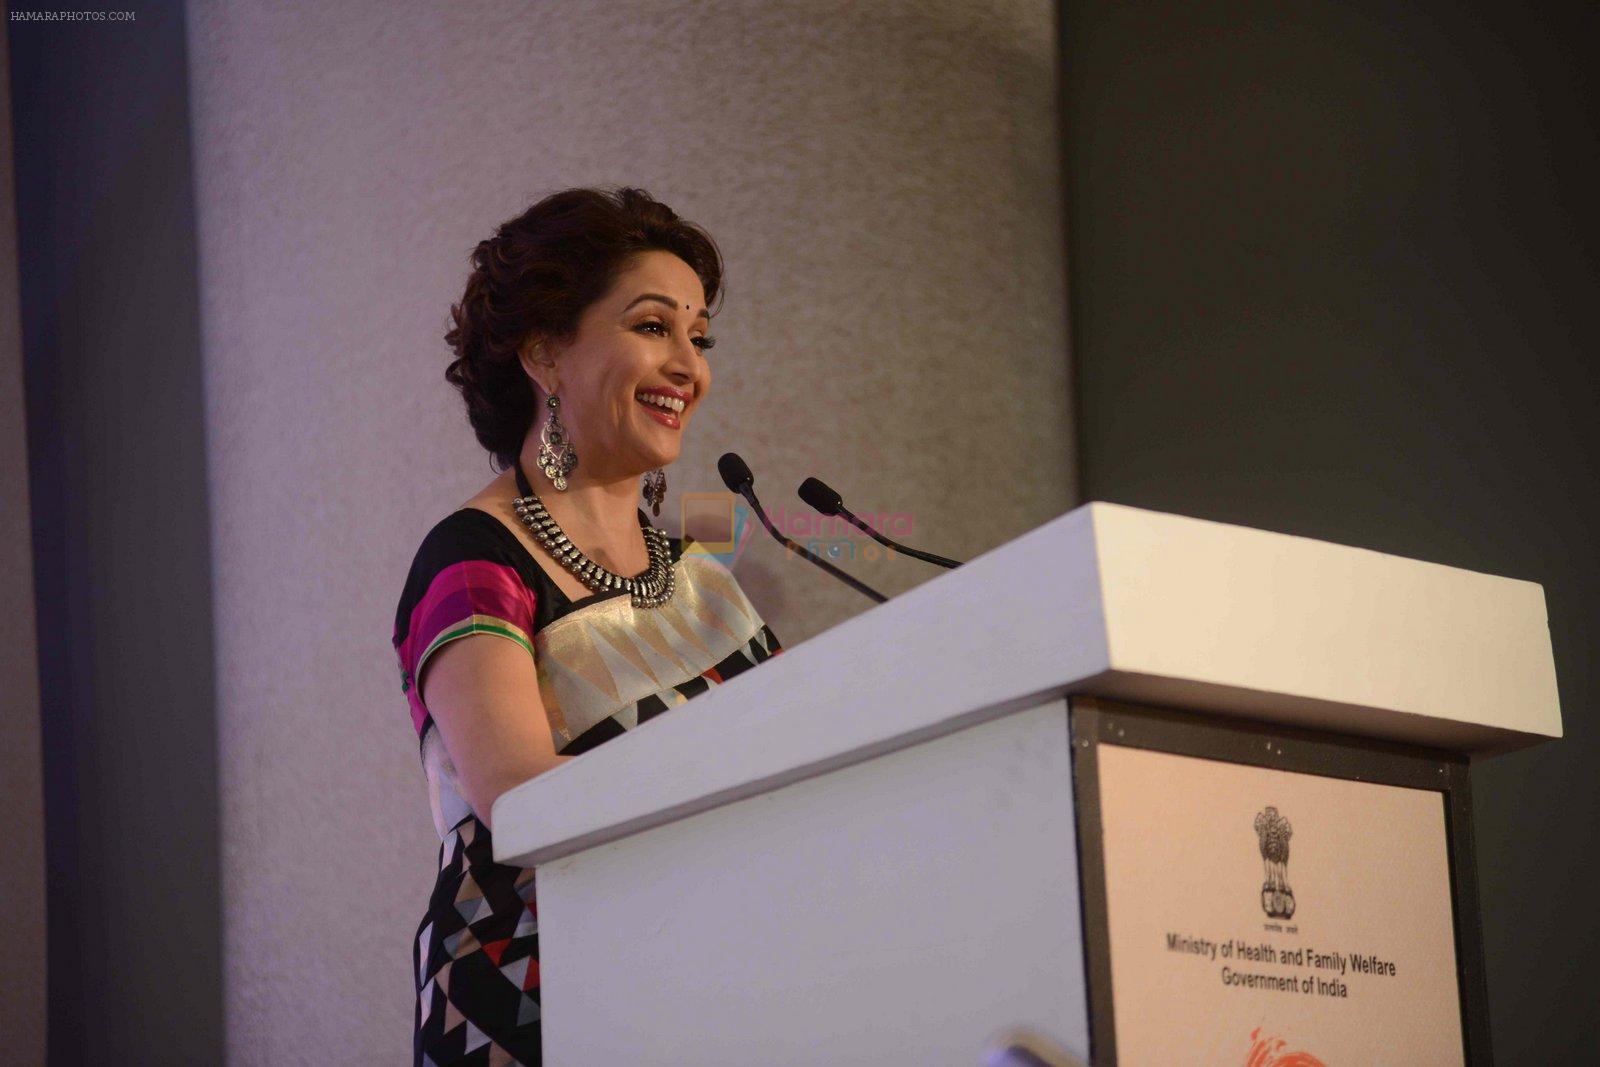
{"x":483,"y":694}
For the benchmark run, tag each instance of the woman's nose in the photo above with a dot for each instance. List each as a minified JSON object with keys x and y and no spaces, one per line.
{"x":685,"y":362}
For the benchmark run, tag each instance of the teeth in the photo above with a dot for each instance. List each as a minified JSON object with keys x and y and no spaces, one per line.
{"x":660,"y":401}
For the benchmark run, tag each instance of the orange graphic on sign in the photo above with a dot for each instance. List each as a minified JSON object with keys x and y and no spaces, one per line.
{"x":1269,"y":1052}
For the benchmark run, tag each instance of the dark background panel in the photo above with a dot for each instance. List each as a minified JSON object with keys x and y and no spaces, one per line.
{"x":109,"y":295}
{"x":1333,"y":272}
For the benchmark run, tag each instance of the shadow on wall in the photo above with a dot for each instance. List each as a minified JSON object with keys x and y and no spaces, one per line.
{"x":108,"y":280}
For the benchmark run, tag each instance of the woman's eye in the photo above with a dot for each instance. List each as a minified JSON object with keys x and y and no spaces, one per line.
{"x":702,"y":343}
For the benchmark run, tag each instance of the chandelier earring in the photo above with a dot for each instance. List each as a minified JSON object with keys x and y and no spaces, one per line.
{"x":655,"y":490}
{"x":557,"y":457}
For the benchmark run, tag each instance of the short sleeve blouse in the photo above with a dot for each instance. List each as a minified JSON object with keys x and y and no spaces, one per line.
{"x":469,"y":577}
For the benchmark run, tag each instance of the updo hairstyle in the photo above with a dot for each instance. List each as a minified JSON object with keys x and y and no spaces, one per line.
{"x":535,"y":277}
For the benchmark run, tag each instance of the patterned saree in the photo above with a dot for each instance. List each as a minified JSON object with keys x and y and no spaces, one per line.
{"x":603,"y":667}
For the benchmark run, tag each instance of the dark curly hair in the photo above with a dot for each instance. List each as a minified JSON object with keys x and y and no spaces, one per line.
{"x":536,"y":276}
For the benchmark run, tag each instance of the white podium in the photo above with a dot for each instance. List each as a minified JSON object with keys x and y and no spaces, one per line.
{"x":888,"y":845}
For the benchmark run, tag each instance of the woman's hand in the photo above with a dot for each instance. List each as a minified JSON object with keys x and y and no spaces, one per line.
{"x":483,"y":694}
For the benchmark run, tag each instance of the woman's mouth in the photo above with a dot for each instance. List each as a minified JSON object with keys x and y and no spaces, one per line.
{"x":664,"y":409}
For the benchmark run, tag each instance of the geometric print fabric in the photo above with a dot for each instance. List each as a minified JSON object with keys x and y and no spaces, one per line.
{"x":477,"y":951}
{"x":599,"y":660}
{"x":761,"y":646}
{"x":476,"y":954}
{"x":476,"y":958}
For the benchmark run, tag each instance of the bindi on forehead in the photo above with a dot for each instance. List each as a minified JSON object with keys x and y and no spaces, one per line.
{"x":670,"y":302}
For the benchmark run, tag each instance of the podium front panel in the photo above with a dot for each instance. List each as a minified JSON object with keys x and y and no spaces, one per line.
{"x":906,"y":909}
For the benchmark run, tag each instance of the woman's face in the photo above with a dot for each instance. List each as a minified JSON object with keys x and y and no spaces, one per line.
{"x":647,"y":335}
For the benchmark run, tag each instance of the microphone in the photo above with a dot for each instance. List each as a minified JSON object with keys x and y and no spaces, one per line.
{"x":737,"y":477}
{"x":822,"y":497}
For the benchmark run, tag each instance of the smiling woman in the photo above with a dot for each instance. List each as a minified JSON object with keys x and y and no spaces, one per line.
{"x":580,"y":348}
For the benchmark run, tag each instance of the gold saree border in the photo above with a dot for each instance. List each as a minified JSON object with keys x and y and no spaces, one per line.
{"x":600,"y":660}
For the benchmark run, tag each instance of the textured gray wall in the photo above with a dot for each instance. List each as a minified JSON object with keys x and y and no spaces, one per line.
{"x":1334,"y":271}
{"x":883,"y":179}
{"x":22,"y":966}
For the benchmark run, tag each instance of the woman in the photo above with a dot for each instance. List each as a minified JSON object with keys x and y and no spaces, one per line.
{"x":547,"y":615}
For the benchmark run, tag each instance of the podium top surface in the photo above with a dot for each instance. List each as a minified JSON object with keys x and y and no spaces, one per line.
{"x":1106,"y":599}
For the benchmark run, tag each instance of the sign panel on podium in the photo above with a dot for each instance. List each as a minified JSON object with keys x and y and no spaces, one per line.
{"x":1256,"y":894}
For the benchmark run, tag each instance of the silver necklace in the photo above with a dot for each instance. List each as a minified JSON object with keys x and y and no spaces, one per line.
{"x":650,"y":589}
